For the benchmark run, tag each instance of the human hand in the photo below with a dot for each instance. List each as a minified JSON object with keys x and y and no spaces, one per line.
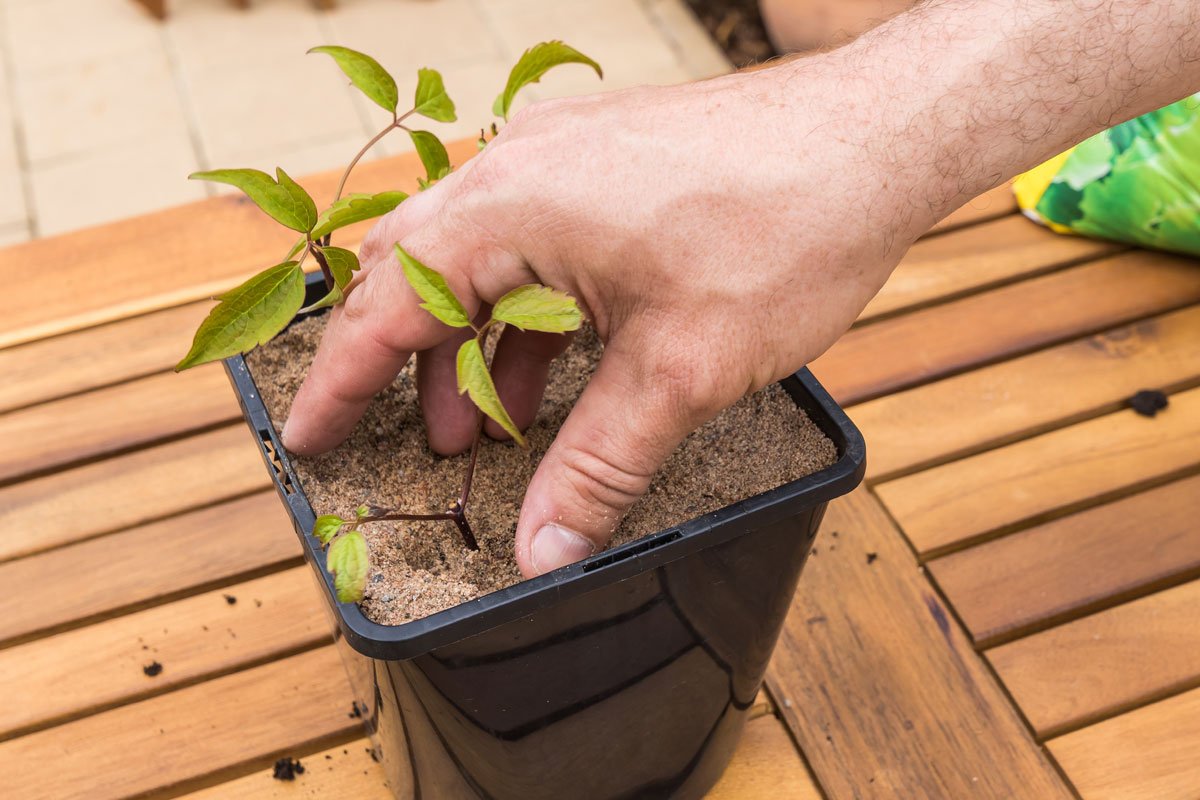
{"x":719,"y":235}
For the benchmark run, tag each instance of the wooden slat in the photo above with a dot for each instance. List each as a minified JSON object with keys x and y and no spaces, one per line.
{"x":915,"y":348}
{"x":881,"y":688}
{"x":108,"y":420}
{"x":170,"y":257}
{"x":101,"y":356}
{"x":1076,"y":564}
{"x":1148,"y":754}
{"x":766,"y":765}
{"x":998,"y":404}
{"x":100,"y":666}
{"x":978,"y":257}
{"x":990,"y":205}
{"x":1107,"y":663}
{"x":168,"y":741}
{"x":148,"y":564}
{"x":958,"y":503}
{"x":116,"y":493}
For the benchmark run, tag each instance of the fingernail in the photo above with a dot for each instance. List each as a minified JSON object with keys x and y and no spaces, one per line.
{"x":555,"y":546}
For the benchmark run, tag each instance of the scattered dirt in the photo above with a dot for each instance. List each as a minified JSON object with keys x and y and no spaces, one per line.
{"x":230,"y":599}
{"x":152,"y":669}
{"x":356,"y":711}
{"x":872,"y":557}
{"x":419,"y":568}
{"x":737,"y":26}
{"x":1148,"y":402}
{"x":286,"y":769}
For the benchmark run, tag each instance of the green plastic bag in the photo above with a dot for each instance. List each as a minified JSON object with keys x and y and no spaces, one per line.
{"x":1138,"y":182}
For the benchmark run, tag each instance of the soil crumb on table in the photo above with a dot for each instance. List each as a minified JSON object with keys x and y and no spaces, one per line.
{"x":418,"y":568}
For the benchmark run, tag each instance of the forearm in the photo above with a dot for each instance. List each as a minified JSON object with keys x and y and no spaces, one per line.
{"x":963,"y":94}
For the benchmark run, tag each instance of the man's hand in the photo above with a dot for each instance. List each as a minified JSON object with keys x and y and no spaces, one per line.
{"x":719,"y":235}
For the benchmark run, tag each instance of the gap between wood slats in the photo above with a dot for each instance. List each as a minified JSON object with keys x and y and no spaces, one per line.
{"x":1105,"y":664}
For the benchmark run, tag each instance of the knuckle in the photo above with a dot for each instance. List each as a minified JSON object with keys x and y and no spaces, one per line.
{"x":602,"y":481}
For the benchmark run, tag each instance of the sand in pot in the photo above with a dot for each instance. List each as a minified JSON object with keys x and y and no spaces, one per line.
{"x":420,"y":568}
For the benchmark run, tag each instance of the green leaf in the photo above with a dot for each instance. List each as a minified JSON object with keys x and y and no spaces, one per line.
{"x":342,"y":263}
{"x":283,"y":199}
{"x":431,"y":99}
{"x":475,"y":380}
{"x":249,"y":315}
{"x":362,"y":511}
{"x":530,"y":68}
{"x":366,"y":74}
{"x":433,"y":155}
{"x":534,"y":307}
{"x":431,"y":287}
{"x":355,"y":208}
{"x":327,"y":526}
{"x":349,"y":563}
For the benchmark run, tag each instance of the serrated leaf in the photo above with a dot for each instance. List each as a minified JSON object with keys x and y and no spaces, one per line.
{"x":342,"y":264}
{"x":475,"y":380}
{"x":355,"y":208}
{"x":366,"y":74}
{"x":433,"y":155}
{"x":534,"y":307}
{"x":349,"y":562}
{"x":432,"y":288}
{"x":327,"y":526}
{"x":533,"y":64}
{"x":281,"y":198}
{"x":249,"y":315}
{"x":431,"y":99}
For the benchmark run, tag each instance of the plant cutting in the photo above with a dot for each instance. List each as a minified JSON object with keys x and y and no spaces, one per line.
{"x":629,"y":674}
{"x":256,"y":311}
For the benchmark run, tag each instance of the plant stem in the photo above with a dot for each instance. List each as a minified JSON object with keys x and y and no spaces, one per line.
{"x":395,"y":123}
{"x":325,"y":270}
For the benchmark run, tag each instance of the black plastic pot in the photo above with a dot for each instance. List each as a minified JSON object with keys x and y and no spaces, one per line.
{"x":627,"y":675}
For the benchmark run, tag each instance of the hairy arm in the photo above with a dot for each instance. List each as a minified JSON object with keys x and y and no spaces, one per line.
{"x":722,"y":234}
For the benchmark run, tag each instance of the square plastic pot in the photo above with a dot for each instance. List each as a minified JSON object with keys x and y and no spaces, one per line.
{"x":627,"y":675}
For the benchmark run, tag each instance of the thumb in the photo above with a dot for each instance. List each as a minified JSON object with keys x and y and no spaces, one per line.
{"x":623,"y":428}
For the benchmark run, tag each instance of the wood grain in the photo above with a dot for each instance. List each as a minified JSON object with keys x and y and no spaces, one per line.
{"x":116,"y":493}
{"x":1074,"y":565}
{"x":1148,"y":754}
{"x":994,"y":405}
{"x":765,"y":765}
{"x":990,"y":205}
{"x":248,"y":717}
{"x":979,"y":257}
{"x":914,"y":348}
{"x":149,"y":564}
{"x":100,"y":666}
{"x":959,"y":503}
{"x":881,"y":688}
{"x":1097,"y":666}
{"x":117,"y":418}
{"x":171,"y":257}
{"x":100,"y":356}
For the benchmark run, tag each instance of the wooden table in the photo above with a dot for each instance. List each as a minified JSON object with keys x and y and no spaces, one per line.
{"x":1007,"y":610}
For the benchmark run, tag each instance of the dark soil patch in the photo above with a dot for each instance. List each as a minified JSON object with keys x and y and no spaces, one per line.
{"x":286,"y":769}
{"x":418,"y":568}
{"x":1148,"y":402}
{"x":230,"y":599}
{"x":737,"y":27}
{"x":152,"y":669}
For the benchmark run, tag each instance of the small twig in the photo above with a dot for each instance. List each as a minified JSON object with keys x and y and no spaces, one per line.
{"x":395,"y":123}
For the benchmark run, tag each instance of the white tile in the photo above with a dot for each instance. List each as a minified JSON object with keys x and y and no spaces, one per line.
{"x":616,"y":33}
{"x":98,"y":103}
{"x":14,"y":234}
{"x":243,"y":109}
{"x":695,"y":50}
{"x":206,"y":32}
{"x":134,"y":177}
{"x":53,"y":34}
{"x":404,"y":34}
{"x":12,"y":197}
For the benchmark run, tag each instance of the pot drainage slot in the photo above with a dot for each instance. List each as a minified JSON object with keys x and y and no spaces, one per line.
{"x":636,"y":549}
{"x":281,"y":474}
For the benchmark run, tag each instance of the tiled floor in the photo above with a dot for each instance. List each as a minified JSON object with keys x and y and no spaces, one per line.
{"x":104,"y":111}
